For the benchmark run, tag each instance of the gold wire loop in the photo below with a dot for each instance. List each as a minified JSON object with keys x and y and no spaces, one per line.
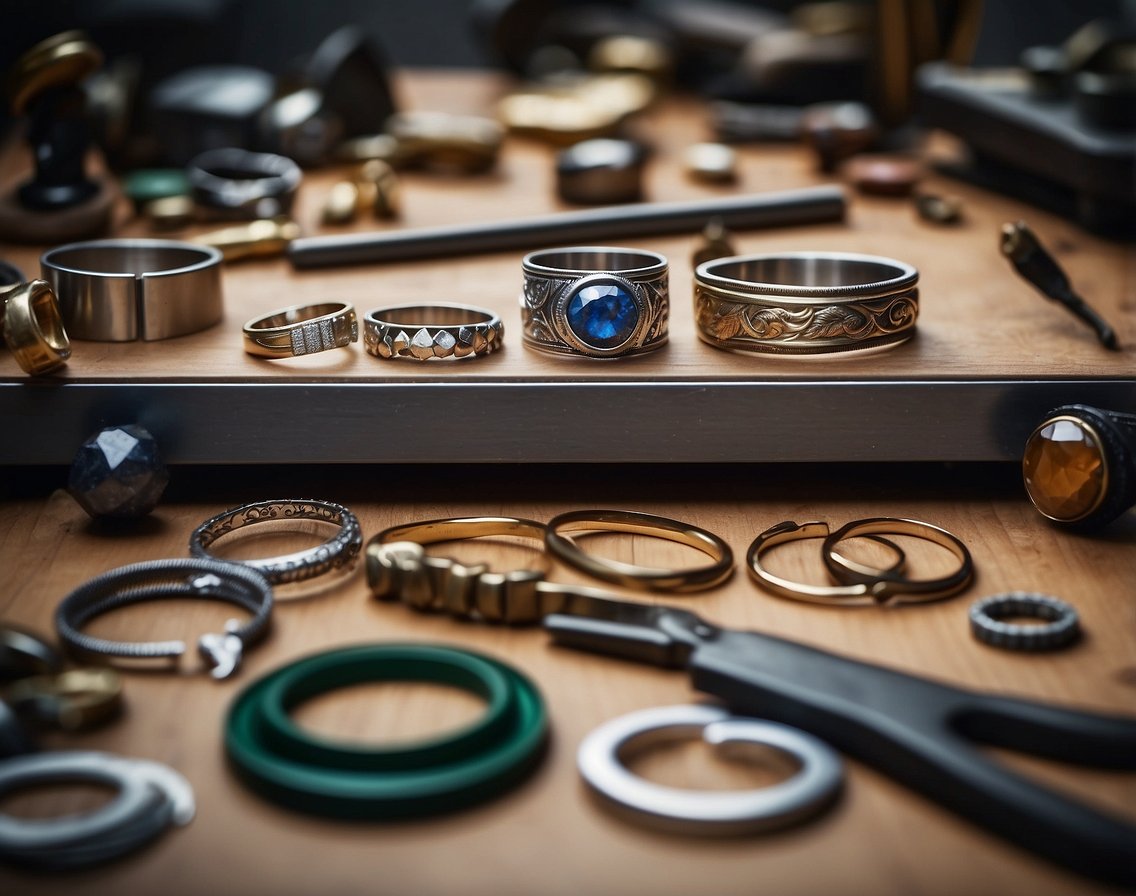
{"x":644,"y":578}
{"x":860,"y":585}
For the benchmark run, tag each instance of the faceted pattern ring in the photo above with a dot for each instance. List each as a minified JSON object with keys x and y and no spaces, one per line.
{"x":595,"y":301}
{"x":426,"y":332}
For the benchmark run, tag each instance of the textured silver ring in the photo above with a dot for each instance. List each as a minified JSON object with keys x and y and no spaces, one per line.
{"x":804,"y":303}
{"x":426,"y":332}
{"x":174,"y":579}
{"x":338,"y":551}
{"x":122,"y":290}
{"x":150,"y":797}
{"x":595,"y":301}
{"x":988,"y":624}
{"x":813,"y":788}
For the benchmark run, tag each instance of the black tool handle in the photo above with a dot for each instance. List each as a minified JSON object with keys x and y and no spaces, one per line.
{"x":807,"y":205}
{"x":918,"y":732}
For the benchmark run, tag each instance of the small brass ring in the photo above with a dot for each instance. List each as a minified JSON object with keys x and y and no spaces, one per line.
{"x":33,"y":327}
{"x":302,"y":330}
{"x":71,"y":700}
{"x":831,"y":595}
{"x":850,"y":572}
{"x":565,"y":549}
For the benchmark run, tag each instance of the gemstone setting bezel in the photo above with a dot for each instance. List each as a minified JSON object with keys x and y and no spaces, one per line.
{"x":1097,"y":442}
{"x":574,"y":340}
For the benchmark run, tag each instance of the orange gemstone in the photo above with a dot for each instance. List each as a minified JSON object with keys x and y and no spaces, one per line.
{"x":1064,"y":470}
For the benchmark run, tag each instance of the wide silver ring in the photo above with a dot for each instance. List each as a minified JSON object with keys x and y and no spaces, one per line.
{"x":426,"y":332}
{"x":718,"y":812}
{"x":122,"y":290}
{"x":802,"y":303}
{"x":596,"y":301}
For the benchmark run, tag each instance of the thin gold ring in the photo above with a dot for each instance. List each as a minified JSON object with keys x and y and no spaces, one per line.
{"x":302,"y":330}
{"x":850,"y":572}
{"x":33,"y":327}
{"x":872,"y":587}
{"x":700,"y":578}
{"x":398,"y":569}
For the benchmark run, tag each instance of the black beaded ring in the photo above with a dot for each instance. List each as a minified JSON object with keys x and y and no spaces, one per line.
{"x":988,"y":626}
{"x":173,"y":579}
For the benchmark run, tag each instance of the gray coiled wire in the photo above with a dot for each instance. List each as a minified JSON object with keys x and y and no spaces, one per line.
{"x":204,"y":579}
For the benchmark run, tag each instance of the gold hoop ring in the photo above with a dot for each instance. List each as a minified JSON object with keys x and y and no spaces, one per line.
{"x":644,"y":578}
{"x":33,"y":327}
{"x":872,"y":587}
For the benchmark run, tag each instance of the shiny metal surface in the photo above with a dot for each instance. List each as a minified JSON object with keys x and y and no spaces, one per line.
{"x":122,"y":290}
{"x":716,"y":812}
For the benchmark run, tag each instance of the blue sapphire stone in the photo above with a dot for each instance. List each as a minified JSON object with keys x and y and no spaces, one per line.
{"x":603,"y":315}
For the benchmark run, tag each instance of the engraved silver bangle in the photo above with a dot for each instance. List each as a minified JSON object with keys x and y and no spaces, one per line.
{"x":175,"y":579}
{"x":302,"y":330}
{"x":338,"y":551}
{"x":804,"y":303}
{"x":426,"y":332}
{"x":598,"y":302}
{"x":122,"y":290}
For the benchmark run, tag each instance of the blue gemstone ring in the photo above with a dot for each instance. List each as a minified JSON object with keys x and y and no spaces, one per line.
{"x":595,"y":301}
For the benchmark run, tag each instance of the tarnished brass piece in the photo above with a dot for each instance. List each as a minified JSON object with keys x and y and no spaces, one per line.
{"x":256,"y":239}
{"x":379,"y":190}
{"x":569,"y":110}
{"x":170,"y":212}
{"x":939,"y":208}
{"x":341,"y":204}
{"x":716,"y":243}
{"x":466,"y":144}
{"x":636,"y":55}
{"x":65,"y":58}
{"x":369,"y":146}
{"x":71,"y":700}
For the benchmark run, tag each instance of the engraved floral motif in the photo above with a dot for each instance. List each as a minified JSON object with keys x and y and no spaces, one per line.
{"x":847,"y":321}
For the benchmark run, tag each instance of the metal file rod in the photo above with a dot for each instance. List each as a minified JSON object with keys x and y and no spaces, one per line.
{"x":804,"y":206}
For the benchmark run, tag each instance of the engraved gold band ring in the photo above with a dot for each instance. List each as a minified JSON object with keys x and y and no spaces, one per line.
{"x":426,"y":332}
{"x":302,"y":330}
{"x":803,"y":303}
{"x":33,"y":327}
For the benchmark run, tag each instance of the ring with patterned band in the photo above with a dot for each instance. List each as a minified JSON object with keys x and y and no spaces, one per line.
{"x":805,"y":303}
{"x":598,"y":302}
{"x":338,"y":551}
{"x":425,"y":332}
{"x":302,"y":330}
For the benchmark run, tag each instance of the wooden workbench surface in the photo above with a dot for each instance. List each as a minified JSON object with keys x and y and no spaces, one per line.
{"x":547,"y":836}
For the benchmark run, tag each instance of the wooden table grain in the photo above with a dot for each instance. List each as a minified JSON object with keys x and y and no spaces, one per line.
{"x":548,"y":836}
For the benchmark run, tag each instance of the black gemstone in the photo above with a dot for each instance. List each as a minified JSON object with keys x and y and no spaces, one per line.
{"x":118,"y":472}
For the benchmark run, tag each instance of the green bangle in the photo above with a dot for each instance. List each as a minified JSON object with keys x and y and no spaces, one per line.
{"x":303,"y":771}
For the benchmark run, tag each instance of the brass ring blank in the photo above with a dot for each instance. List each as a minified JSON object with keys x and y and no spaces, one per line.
{"x":565,"y":549}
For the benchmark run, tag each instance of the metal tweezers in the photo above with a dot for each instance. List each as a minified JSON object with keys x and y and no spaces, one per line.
{"x":918,"y":732}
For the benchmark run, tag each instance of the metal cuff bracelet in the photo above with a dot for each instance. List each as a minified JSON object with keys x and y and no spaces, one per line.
{"x":122,"y":290}
{"x":424,"y":332}
{"x":802,"y":303}
{"x":598,"y":302}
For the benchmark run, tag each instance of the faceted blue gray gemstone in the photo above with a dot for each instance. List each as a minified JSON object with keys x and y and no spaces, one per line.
{"x":603,"y":315}
{"x":118,"y":473}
